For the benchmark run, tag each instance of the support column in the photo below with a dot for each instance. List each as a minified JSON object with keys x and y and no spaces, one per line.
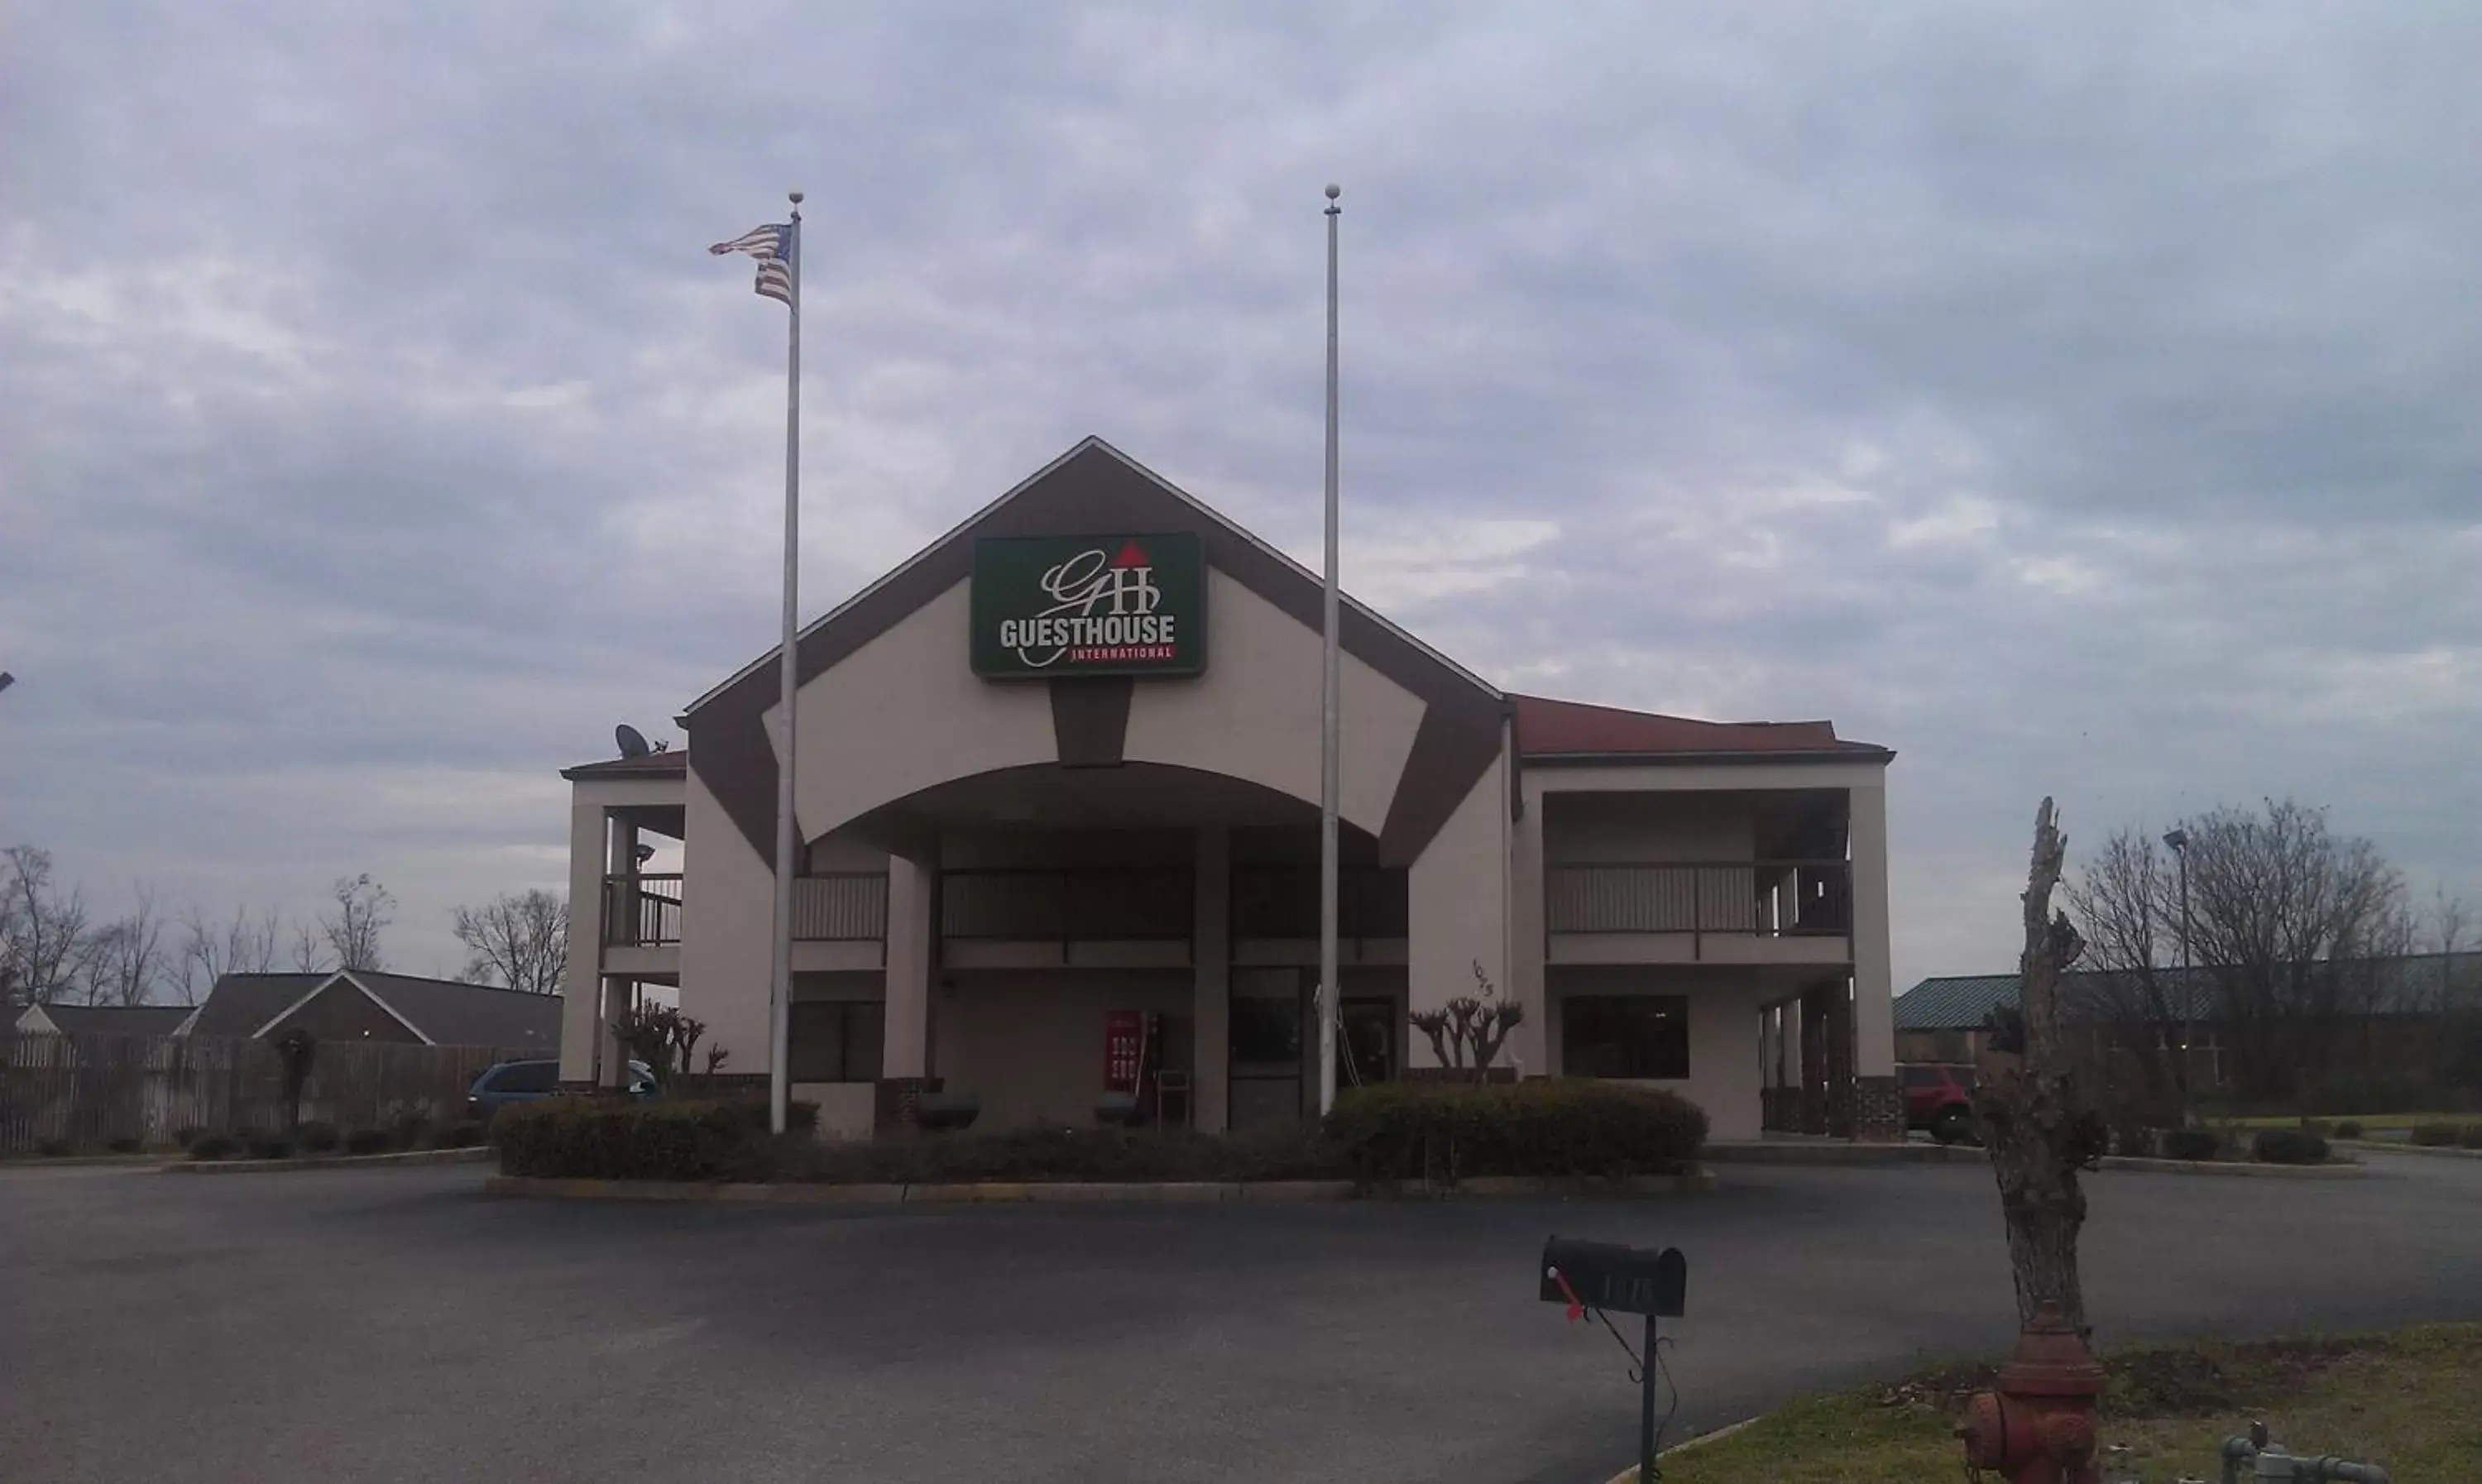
{"x":581,"y":990}
{"x":1211,"y":958}
{"x":612,"y":1069}
{"x":1528,"y":1047}
{"x":905,"y":1046}
{"x":1879,"y":1107}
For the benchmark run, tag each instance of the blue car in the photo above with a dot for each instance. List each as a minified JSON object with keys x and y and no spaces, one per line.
{"x":525,"y":1081}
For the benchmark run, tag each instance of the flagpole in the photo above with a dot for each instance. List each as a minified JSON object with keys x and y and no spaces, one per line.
{"x":780,"y":987}
{"x":1331,"y":715}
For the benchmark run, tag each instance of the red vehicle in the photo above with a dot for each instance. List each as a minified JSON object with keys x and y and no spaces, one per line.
{"x":1939,"y":1099}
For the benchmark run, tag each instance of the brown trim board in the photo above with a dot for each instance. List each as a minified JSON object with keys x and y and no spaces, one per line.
{"x":1096,"y":488}
{"x":1090,"y":719}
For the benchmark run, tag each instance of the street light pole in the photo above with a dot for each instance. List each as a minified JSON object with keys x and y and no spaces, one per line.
{"x":2178,"y":840}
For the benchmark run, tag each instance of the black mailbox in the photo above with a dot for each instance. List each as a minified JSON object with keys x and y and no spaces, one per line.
{"x":1625,"y":1279}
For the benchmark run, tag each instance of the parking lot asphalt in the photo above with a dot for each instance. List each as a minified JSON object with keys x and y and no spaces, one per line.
{"x":397,"y":1324}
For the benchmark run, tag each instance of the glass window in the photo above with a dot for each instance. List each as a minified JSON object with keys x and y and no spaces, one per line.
{"x":527,"y":1077}
{"x":1639,"y":1036}
{"x":1266,"y":1031}
{"x":833,"y":1041}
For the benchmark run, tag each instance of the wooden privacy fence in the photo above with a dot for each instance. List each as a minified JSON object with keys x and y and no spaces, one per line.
{"x":89,"y":1090}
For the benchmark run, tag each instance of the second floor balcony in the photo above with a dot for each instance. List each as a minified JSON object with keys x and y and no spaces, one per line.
{"x":1713,"y":909}
{"x":643,"y":909}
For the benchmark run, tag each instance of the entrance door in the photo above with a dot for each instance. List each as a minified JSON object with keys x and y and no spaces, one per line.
{"x":1264,"y":1084}
{"x":1365,"y":1042}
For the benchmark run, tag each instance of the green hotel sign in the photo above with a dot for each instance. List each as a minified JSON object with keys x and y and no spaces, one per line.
{"x":1089,"y":605}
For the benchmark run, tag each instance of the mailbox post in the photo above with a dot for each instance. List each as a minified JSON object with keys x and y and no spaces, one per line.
{"x":1603,"y":1276}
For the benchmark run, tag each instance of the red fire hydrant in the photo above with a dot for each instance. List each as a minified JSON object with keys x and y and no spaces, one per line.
{"x":2038,"y":1426}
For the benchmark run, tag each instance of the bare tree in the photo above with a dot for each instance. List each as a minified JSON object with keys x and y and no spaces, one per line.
{"x":363,"y":911}
{"x":2030,"y":1113}
{"x":123,"y":962}
{"x":2288,"y":921}
{"x":2128,"y":897}
{"x":519,"y":940}
{"x":310,"y":950}
{"x":245,"y":946}
{"x":1467,"y":1032}
{"x":42,"y":933}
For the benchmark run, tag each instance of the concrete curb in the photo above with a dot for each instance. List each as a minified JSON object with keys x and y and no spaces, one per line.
{"x":1628,"y":1475}
{"x":2392,"y":1147}
{"x":1838,"y":1153}
{"x":138,"y":1161}
{"x":474,"y":1155}
{"x":2293,"y":1171}
{"x":1030,"y":1192}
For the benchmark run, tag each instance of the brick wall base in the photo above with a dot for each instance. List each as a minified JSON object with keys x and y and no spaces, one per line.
{"x":1776,"y":1109}
{"x":892,"y":1107}
{"x":1878,"y":1109}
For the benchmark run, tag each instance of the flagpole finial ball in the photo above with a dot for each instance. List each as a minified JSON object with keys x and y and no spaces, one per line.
{"x":795,"y":197}
{"x":1333,"y":191}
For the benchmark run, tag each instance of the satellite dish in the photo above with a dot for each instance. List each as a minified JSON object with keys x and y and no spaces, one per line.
{"x":633,"y":742}
{"x":644,"y":853}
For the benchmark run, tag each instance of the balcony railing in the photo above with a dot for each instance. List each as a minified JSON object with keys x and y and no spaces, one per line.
{"x":1065,"y":906}
{"x":840,"y":907}
{"x":643,"y":911}
{"x":1748,"y":898}
{"x":1282,"y":901}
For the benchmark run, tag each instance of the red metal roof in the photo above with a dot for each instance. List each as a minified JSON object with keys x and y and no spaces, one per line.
{"x":1556,"y":729}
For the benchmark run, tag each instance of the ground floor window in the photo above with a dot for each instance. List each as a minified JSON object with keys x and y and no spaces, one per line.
{"x":835,"y":1039}
{"x":1643,"y":1036}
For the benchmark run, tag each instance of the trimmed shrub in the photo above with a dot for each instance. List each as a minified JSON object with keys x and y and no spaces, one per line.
{"x":125,"y":1145}
{"x":317,"y":1138}
{"x":1546,"y":1126}
{"x":214,"y":1146}
{"x":2472,"y":1137}
{"x":407,"y":1131}
{"x":55,"y":1148}
{"x":2437,"y":1135}
{"x":186,"y":1134}
{"x":2191,"y":1144}
{"x":589,"y":1138}
{"x":2289,"y":1146}
{"x":2133,"y":1143}
{"x":2348,"y":1129}
{"x":270,"y":1146}
{"x":458,"y":1136}
{"x":369,"y":1141}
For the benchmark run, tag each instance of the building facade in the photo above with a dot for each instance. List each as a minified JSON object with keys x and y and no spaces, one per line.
{"x":1058,"y":792}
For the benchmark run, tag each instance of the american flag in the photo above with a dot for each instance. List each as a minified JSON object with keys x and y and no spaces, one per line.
{"x":769,"y":245}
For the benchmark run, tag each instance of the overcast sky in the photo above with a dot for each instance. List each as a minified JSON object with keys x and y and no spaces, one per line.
{"x":2078,"y":399}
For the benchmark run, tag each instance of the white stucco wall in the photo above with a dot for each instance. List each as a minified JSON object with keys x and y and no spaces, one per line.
{"x":906,"y":711}
{"x":1458,"y":902}
{"x":1637,"y":827}
{"x":1029,"y":1043}
{"x":727,"y":929}
{"x":1254,"y":713}
{"x":1874,"y":1001}
{"x":1725,"y":1070}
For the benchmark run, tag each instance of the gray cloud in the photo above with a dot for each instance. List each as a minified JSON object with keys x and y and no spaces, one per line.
{"x":2076,"y":402}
